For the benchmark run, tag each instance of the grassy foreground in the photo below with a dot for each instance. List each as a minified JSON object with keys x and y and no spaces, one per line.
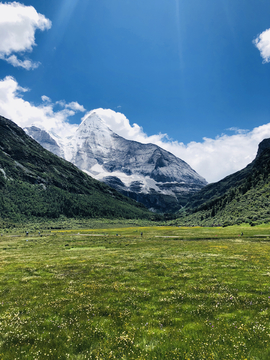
{"x":172,"y":293}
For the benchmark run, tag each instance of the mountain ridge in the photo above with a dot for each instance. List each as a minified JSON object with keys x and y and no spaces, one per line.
{"x":36,"y":183}
{"x":240,"y":197}
{"x":144,"y":172}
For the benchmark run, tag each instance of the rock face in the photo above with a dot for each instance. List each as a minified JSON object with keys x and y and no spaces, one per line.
{"x":265,"y":144}
{"x":144,"y":172}
{"x":45,"y":139}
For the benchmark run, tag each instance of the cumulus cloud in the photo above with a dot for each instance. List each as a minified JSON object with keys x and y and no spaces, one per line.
{"x":120,"y":124}
{"x":216,"y":158}
{"x":18,"y":24}
{"x":75,"y":106}
{"x":45,"y":98}
{"x":212,"y":158}
{"x":23,"y":113}
{"x":262,"y":42}
{"x":26,"y":64}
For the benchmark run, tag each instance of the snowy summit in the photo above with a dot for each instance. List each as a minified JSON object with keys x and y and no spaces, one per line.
{"x":145,"y":172}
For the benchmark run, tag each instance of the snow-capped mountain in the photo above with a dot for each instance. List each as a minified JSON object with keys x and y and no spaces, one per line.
{"x":45,"y":139}
{"x":145,"y":172}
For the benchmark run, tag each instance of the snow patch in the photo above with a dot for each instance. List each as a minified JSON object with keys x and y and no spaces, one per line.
{"x":4,"y":173}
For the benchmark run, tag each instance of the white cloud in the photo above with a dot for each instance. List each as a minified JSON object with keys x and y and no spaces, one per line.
{"x":26,"y":64}
{"x":120,"y":124}
{"x":216,"y":158}
{"x":23,"y":113}
{"x":262,"y":42}
{"x":75,"y":106}
{"x":45,"y":98}
{"x":238,"y":131}
{"x":18,"y":24}
{"x":212,"y":158}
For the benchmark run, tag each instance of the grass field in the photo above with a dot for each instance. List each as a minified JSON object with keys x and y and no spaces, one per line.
{"x":170,"y":293}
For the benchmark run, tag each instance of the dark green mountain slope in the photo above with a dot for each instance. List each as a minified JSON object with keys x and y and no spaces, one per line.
{"x":241,"y":197}
{"x":36,"y":183}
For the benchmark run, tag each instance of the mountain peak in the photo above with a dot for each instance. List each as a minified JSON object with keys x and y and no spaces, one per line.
{"x":44,"y":138}
{"x":144,"y":172}
{"x":93,"y":123}
{"x":34,"y":183}
{"x":265,"y":144}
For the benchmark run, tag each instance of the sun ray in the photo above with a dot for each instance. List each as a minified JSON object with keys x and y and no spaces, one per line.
{"x":65,"y":12}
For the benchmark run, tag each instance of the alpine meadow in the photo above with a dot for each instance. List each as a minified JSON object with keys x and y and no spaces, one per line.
{"x":154,"y":292}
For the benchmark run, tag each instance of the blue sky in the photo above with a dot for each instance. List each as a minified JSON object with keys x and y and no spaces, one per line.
{"x":189,"y":69}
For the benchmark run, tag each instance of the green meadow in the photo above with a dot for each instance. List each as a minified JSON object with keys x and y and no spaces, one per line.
{"x":168,"y":293}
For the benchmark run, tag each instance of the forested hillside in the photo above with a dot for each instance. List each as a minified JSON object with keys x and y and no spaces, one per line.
{"x":240,"y":197}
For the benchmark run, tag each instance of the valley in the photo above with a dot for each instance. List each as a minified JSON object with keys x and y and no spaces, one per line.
{"x":134,"y":180}
{"x":88,"y":273}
